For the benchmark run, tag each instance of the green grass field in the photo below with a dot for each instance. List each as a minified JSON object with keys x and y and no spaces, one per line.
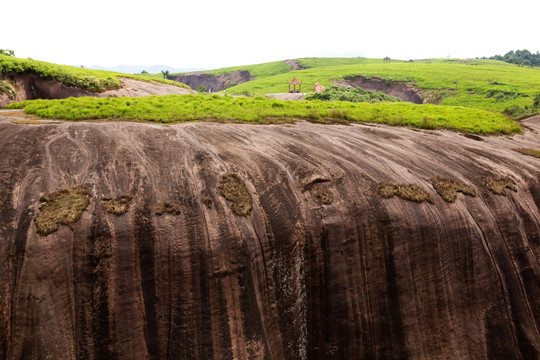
{"x":88,"y":79}
{"x":182,"y":108}
{"x":483,"y":84}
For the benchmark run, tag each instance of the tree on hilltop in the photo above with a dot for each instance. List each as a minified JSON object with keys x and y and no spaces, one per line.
{"x":165,"y":73}
{"x":520,"y":57}
{"x":7,"y":52}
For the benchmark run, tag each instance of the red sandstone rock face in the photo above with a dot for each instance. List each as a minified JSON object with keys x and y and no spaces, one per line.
{"x":360,"y":278}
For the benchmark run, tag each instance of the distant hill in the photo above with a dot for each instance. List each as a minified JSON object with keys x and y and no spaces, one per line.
{"x":137,"y":69}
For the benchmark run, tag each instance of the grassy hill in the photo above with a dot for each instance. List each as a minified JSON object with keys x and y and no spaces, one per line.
{"x":473,"y":95}
{"x":88,"y":79}
{"x":483,"y":84}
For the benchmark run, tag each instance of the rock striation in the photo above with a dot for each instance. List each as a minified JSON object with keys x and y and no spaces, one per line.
{"x":322,"y":267}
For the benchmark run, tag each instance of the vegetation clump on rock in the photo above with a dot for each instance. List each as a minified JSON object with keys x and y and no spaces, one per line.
{"x":325,"y":196}
{"x":411,"y":192}
{"x":448,"y":188}
{"x":62,"y":207}
{"x":165,"y":207}
{"x":499,"y":185}
{"x":118,"y":205}
{"x":234,"y":190}
{"x":530,"y":152}
{"x":207,"y":201}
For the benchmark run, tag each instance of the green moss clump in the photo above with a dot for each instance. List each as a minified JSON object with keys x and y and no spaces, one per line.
{"x":234,"y":190}
{"x":62,"y":207}
{"x":448,"y":188}
{"x":118,"y":205}
{"x":411,"y":192}
{"x":165,"y":207}
{"x":499,"y":185}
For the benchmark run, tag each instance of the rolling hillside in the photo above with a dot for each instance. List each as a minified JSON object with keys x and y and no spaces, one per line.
{"x":484,"y":84}
{"x":27,"y":79}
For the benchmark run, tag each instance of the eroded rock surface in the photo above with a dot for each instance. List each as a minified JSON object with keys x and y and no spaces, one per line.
{"x":361,"y":277}
{"x":213,"y":83}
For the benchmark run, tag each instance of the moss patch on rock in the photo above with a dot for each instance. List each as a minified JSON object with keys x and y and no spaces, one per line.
{"x":118,"y":205}
{"x":411,"y":192}
{"x":530,"y":152}
{"x":234,"y":190}
{"x":207,"y":201}
{"x":499,"y":185}
{"x":325,"y":196}
{"x":62,"y":207}
{"x":448,"y":188}
{"x":165,"y":207}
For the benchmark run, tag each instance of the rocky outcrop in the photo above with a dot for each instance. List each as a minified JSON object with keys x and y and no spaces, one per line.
{"x":403,"y":91}
{"x":321,"y":267}
{"x":211,"y":82}
{"x":29,"y":87}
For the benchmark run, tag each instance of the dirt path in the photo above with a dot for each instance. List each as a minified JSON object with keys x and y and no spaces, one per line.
{"x":294,"y":64}
{"x":286,"y":96}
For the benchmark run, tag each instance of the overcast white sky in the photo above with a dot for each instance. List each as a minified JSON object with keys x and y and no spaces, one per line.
{"x":218,"y":33}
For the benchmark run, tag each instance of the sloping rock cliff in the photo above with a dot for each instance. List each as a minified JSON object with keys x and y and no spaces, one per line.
{"x":212,"y":82}
{"x":29,"y":87}
{"x":323,"y":267}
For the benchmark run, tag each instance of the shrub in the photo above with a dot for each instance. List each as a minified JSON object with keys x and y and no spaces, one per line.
{"x":342,"y":93}
{"x":5,"y":88}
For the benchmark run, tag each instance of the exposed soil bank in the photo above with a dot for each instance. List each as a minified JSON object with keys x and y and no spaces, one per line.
{"x":322,"y":268}
{"x":213,"y":83}
{"x":29,"y":87}
{"x":402,"y":91}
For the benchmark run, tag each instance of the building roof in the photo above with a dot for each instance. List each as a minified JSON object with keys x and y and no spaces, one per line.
{"x":294,"y":81}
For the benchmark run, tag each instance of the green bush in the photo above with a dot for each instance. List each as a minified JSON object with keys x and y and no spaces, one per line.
{"x":342,"y":93}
